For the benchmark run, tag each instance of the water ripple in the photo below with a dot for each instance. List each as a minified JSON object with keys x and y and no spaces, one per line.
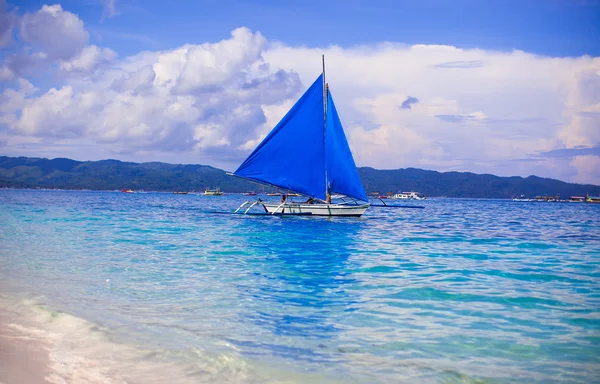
{"x":461,"y":291}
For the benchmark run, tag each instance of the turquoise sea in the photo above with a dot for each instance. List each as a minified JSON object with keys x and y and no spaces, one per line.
{"x":156,"y":287}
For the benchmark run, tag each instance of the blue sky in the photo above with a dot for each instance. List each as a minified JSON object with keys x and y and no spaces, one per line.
{"x":499,"y":86}
{"x":546,"y":27}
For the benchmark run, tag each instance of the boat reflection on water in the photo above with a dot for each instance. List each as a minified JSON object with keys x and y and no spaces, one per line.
{"x":303,"y":285}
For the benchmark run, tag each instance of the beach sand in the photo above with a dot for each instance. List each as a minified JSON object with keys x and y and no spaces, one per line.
{"x":41,"y":345}
{"x":38,"y":345}
{"x":24,"y":357}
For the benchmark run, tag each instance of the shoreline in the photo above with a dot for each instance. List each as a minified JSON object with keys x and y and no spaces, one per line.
{"x":41,"y":345}
{"x":24,"y":356}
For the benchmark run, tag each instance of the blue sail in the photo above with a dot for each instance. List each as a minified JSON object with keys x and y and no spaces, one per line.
{"x":292,"y":155}
{"x":342,"y":175}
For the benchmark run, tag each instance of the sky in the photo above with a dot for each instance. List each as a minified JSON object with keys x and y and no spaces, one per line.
{"x":504,"y":87}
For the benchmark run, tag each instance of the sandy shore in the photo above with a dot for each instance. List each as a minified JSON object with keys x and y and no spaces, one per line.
{"x":38,"y":345}
{"x":24,"y":357}
{"x":41,"y":345}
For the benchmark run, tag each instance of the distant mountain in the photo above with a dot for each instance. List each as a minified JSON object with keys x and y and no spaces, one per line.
{"x":466,"y":184}
{"x":29,"y":172}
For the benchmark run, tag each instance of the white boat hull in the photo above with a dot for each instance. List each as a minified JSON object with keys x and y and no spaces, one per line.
{"x":316,"y":209}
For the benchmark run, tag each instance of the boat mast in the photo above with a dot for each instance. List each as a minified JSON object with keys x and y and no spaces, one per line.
{"x":325,"y":90}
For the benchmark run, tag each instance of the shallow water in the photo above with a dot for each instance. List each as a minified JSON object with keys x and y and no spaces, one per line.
{"x":461,"y":291}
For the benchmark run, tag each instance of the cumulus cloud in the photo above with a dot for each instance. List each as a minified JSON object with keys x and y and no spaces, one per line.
{"x":192,"y":99}
{"x":479,"y":117}
{"x":582,"y":112}
{"x":51,"y":38}
{"x":12,"y":100}
{"x":58,"y":33}
{"x":137,"y":81}
{"x":88,"y":59}
{"x":587,"y":169}
{"x":207,"y":66}
{"x":477,"y":110}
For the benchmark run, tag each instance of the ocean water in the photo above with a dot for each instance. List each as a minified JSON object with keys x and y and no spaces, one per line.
{"x":156,"y":287}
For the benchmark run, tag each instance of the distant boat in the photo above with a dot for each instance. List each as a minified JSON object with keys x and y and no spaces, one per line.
{"x":409,"y":196}
{"x":180,"y":193}
{"x":547,"y":198}
{"x":127,"y":190}
{"x":213,"y":192}
{"x":307,"y":154}
{"x":250,"y":194}
{"x":273,"y":194}
{"x":522,"y":198}
{"x":593,"y":199}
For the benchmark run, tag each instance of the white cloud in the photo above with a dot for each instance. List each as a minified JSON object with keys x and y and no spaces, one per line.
{"x":51,"y":37}
{"x":582,"y":110}
{"x":110,"y":8}
{"x":58,"y":33}
{"x":140,"y":104}
{"x":206,"y":66}
{"x":12,"y":100}
{"x":6,"y":73}
{"x":88,"y":59}
{"x":588,"y":169}
{"x":137,"y":81}
{"x":477,"y":110}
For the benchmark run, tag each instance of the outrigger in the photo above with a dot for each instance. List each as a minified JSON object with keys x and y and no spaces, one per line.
{"x":307,"y":154}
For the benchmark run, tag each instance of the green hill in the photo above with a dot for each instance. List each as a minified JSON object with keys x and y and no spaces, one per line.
{"x":28,"y":172}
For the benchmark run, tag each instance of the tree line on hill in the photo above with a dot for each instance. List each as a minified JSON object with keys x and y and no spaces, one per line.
{"x":60,"y":173}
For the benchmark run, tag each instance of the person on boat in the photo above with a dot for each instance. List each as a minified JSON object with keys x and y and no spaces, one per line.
{"x":310,"y":200}
{"x":283,"y":197}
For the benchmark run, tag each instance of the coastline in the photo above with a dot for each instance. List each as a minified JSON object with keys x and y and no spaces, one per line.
{"x":39,"y":345}
{"x":24,"y":356}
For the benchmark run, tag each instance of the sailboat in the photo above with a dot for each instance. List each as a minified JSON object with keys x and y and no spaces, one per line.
{"x":307,"y":153}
